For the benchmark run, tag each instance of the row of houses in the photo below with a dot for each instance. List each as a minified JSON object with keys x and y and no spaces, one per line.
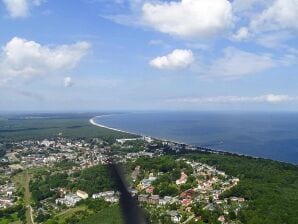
{"x":155,"y":199}
{"x":109,"y":196}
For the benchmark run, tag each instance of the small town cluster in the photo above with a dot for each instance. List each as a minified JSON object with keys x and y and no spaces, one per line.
{"x":195,"y":187}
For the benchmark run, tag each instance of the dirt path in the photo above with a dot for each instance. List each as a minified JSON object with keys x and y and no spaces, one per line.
{"x":27,"y":198}
{"x":23,"y":180}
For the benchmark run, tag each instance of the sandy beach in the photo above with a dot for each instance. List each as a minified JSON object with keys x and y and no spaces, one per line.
{"x":92,"y":121}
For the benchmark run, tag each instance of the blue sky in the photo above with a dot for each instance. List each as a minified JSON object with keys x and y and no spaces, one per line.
{"x":148,"y":55}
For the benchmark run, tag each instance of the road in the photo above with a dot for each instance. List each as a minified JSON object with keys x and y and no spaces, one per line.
{"x":27,"y":198}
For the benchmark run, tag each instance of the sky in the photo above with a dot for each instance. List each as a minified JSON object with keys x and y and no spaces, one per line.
{"x":95,"y":55}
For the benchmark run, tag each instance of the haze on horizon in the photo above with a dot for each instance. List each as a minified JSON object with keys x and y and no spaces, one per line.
{"x":148,"y":55}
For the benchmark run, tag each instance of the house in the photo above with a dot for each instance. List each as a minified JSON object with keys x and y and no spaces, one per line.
{"x":182,"y":179}
{"x":187,"y":194}
{"x":148,"y":139}
{"x":69,"y":200}
{"x":109,"y":196}
{"x":221,"y":219}
{"x":112,"y":199}
{"x":149,"y":190}
{"x":63,"y":192}
{"x":185,"y":202}
{"x":145,"y":183}
{"x":82,"y":194}
{"x":143,"y":198}
{"x":166,"y":200}
{"x":175,"y":217}
{"x":154,"y":199}
{"x":103,"y":194}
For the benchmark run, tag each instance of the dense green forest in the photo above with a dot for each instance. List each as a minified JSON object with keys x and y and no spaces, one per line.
{"x":16,"y":128}
{"x":92,"y":180}
{"x":270,"y":187}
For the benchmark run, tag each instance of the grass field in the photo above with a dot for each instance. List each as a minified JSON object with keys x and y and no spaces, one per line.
{"x":110,"y":215}
{"x":8,"y":221}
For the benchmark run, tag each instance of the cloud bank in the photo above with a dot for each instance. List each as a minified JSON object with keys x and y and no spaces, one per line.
{"x":236,"y":63}
{"x":22,"y":58}
{"x":270,"y":98}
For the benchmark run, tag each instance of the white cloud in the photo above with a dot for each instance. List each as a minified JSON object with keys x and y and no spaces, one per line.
{"x":236,"y":63}
{"x":20,"y":8}
{"x":241,"y":34}
{"x":282,"y":14}
{"x":23,"y":58}
{"x":189,"y":18}
{"x":270,"y":98}
{"x":269,"y":23}
{"x":68,"y":82}
{"x":179,"y":58}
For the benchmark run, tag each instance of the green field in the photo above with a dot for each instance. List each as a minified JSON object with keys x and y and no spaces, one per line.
{"x":110,"y":215}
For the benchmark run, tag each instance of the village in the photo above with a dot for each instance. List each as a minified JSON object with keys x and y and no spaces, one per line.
{"x":199,"y":184}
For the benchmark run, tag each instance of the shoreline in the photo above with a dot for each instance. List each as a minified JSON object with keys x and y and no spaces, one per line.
{"x":198,"y":148}
{"x":91,"y":120}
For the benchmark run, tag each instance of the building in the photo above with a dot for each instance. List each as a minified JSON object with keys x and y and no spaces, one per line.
{"x":166,"y":200}
{"x":103,"y":194}
{"x":221,"y":219}
{"x":149,"y":190}
{"x":69,"y":200}
{"x":109,"y":196}
{"x":47,"y":143}
{"x":182,"y":179}
{"x":82,"y":194}
{"x":143,"y":198}
{"x":148,"y":139}
{"x":145,"y":183}
{"x":154,"y":199}
{"x":175,"y":217}
{"x":123,"y":140}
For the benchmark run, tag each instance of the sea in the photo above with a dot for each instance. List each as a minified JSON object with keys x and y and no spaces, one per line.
{"x":269,"y":135}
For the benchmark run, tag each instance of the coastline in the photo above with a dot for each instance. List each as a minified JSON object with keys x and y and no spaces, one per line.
{"x":91,"y":120}
{"x":198,"y":148}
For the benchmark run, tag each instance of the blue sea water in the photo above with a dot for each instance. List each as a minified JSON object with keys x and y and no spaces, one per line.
{"x":267,"y":135}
